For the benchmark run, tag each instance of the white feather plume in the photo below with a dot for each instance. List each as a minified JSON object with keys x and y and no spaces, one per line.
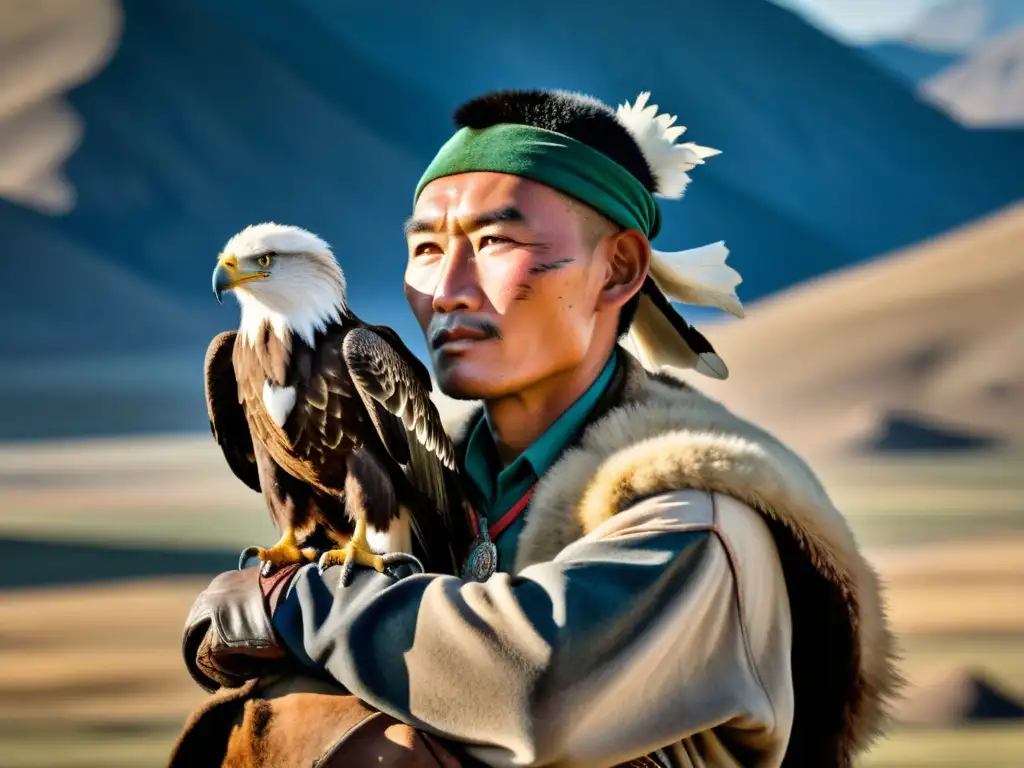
{"x":656,"y":136}
{"x":698,"y":276}
{"x":656,"y":344}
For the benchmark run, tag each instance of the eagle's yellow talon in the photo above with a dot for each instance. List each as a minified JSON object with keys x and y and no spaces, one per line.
{"x":353,"y":554}
{"x":356,"y":551}
{"x":285,"y":552}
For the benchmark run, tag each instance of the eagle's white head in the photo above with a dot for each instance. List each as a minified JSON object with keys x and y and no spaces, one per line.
{"x":283,"y":275}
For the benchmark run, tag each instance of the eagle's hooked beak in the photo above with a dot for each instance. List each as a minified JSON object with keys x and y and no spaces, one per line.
{"x":227,"y":276}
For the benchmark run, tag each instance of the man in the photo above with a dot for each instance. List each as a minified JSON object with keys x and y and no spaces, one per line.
{"x":671,"y":581}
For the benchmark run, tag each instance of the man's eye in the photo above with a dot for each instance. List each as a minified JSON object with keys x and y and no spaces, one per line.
{"x":425,"y":248}
{"x":264,"y":260}
{"x":493,"y":240}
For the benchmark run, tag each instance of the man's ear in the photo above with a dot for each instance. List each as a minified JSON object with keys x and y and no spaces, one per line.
{"x":628,"y":262}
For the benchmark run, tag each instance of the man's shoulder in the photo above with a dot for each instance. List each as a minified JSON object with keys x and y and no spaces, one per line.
{"x":667,"y":436}
{"x":669,"y":440}
{"x":740,"y":532}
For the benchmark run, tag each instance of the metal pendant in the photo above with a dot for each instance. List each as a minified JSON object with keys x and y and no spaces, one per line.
{"x":483,"y":557}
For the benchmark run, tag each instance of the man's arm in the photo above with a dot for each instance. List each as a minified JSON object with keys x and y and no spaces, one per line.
{"x":632,"y":638}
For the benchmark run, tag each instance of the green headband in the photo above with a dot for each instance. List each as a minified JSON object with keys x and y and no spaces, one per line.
{"x":553,"y":159}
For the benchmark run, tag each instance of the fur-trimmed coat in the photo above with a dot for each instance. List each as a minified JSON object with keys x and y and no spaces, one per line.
{"x":683,"y":587}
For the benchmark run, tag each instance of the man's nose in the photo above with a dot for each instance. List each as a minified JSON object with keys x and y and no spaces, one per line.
{"x":458,"y":288}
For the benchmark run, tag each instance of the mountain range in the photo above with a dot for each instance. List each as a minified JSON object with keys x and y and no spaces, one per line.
{"x":211,"y":115}
{"x":962,"y":26}
{"x":986,"y":88}
{"x":964,"y":57}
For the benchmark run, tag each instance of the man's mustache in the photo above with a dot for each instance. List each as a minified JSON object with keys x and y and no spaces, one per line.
{"x":440,"y":325}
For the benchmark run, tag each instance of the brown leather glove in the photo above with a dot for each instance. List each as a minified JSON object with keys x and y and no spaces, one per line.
{"x":228,"y":635}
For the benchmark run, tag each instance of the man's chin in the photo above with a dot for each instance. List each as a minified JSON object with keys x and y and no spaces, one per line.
{"x":457,"y":389}
{"x":459,"y":383}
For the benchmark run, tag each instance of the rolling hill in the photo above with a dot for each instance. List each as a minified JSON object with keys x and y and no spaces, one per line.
{"x":958,"y":698}
{"x":932,"y":335}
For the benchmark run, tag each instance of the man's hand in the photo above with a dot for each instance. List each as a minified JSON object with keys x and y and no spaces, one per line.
{"x":228,"y":635}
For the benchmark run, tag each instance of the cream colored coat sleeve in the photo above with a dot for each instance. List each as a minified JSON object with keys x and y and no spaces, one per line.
{"x":666,"y":627}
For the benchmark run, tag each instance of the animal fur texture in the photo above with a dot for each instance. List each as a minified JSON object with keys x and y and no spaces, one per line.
{"x":665,"y":436}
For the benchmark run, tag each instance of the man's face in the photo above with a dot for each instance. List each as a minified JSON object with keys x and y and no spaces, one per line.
{"x":503,"y":282}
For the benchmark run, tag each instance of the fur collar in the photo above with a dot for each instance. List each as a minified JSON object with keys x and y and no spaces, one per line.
{"x":665,"y":435}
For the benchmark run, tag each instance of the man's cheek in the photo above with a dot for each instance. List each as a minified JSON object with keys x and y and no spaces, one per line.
{"x":567,"y":310}
{"x":507,"y":283}
{"x":421,"y":282}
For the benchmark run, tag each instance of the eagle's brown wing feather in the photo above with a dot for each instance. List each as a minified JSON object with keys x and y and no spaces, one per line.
{"x":227,"y":417}
{"x":398,"y":402}
{"x":416,"y":365}
{"x":446,"y":534}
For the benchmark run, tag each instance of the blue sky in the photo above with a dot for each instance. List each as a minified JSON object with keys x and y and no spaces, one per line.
{"x":860,"y":20}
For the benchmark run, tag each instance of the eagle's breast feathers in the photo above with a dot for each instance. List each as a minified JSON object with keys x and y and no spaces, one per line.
{"x":312,"y":405}
{"x":301,"y":403}
{"x":310,"y":408}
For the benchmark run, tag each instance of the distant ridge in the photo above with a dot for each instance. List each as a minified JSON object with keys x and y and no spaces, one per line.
{"x":962,"y":26}
{"x":905,"y":432}
{"x":986,"y":89}
{"x":961,"y":697}
{"x":964,"y":57}
{"x":911,"y":64}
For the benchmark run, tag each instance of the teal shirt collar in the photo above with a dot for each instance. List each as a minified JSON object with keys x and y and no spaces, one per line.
{"x":544,"y":451}
{"x":483,"y":467}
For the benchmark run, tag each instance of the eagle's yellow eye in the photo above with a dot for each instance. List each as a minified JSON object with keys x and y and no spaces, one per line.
{"x":264,"y":260}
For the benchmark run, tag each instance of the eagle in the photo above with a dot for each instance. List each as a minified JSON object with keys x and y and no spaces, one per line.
{"x":330,"y":418}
